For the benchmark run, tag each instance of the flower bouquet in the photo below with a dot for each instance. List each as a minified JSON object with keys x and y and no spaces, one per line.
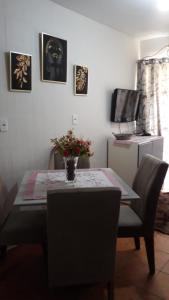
{"x":70,"y":148}
{"x":69,"y":145}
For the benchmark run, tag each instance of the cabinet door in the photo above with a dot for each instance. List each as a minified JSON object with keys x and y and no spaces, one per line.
{"x":158,"y":148}
{"x":145,"y":148}
{"x":123,"y":160}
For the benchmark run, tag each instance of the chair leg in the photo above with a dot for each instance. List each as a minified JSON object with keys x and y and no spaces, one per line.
{"x":149,"y":243}
{"x":3,"y":251}
{"x":137,"y":242}
{"x":110,"y":290}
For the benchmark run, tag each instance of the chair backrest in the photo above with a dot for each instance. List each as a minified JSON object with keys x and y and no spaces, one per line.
{"x":147,"y":184}
{"x":56,"y":161}
{"x":6,"y":200}
{"x":81,"y":231}
{"x":3,"y":199}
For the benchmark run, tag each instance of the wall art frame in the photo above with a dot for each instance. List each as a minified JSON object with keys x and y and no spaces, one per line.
{"x":80,"y":80}
{"x":20,"y":72}
{"x":53,"y":59}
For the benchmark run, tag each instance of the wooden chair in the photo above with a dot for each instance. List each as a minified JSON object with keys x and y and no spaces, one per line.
{"x":137,"y":220}
{"x":79,"y":230}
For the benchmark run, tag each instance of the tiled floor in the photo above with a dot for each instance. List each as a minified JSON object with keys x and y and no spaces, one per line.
{"x":132,"y":280}
{"x":22,"y":275}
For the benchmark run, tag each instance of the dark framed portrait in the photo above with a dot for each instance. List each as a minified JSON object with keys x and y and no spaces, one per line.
{"x":20,"y":72}
{"x":80,"y":80}
{"x":54,"y":59}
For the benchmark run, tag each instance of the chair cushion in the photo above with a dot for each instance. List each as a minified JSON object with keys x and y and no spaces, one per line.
{"x":24,"y":227}
{"x":130,"y":223}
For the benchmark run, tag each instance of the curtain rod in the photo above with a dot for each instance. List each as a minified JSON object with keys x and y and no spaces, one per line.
{"x":157,"y":52}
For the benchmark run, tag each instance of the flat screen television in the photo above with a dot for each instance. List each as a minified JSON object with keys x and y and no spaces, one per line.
{"x":125,"y":105}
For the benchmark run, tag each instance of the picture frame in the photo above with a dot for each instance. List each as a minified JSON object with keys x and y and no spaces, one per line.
{"x":20,"y":72}
{"x":54,"y":59}
{"x":80,"y":80}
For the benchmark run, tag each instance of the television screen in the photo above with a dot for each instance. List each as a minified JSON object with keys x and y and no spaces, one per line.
{"x":125,"y":105}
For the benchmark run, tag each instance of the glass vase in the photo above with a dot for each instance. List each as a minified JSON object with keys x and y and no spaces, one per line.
{"x":70,"y":167}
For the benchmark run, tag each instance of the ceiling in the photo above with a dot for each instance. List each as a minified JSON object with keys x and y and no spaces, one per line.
{"x":138,"y":18}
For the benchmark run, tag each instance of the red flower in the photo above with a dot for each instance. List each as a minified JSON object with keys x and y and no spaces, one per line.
{"x":69,"y":145}
{"x":77,"y":150}
{"x":65,"y":153}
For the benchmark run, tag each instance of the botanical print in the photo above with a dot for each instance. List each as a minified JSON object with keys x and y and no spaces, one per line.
{"x":54,"y":59}
{"x":81,"y":80}
{"x":20,"y":72}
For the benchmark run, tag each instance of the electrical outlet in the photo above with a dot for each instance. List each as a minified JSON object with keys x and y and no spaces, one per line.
{"x":74,"y":119}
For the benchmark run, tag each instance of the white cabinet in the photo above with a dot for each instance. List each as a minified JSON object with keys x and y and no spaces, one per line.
{"x":124,"y":157}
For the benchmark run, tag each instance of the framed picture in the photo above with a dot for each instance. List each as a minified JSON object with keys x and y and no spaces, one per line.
{"x":54,"y":59}
{"x":20,"y":72}
{"x":80,"y":80}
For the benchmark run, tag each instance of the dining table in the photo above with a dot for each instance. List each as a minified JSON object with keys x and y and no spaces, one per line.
{"x":35,"y":184}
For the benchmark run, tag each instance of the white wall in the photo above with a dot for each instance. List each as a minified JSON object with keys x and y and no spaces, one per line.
{"x":47,"y":111}
{"x":151,"y":46}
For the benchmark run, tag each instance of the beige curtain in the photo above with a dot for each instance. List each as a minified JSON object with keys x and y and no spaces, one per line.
{"x":153,"y":82}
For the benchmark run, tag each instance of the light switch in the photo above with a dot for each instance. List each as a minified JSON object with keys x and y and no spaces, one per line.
{"x":75,"y":119}
{"x":3,"y":125}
